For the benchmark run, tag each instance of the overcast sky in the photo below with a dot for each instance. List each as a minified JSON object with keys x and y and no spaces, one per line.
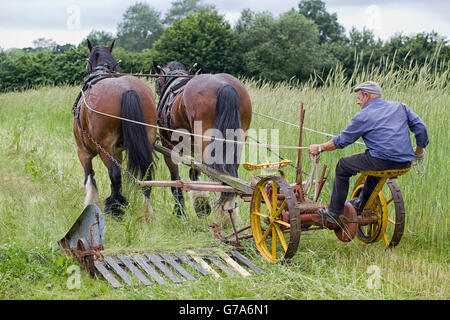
{"x":69,"y":21}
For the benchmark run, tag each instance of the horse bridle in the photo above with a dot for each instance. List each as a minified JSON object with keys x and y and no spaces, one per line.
{"x":104,"y":65}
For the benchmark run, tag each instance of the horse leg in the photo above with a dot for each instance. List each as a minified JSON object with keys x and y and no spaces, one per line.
{"x":177,"y":192}
{"x":200,"y":199}
{"x":89,"y":181}
{"x":227,"y":211}
{"x":147,"y":211}
{"x":148,"y":208}
{"x":116,"y":200}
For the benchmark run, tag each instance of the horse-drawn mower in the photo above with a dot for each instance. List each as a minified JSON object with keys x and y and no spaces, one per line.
{"x":279,"y":213}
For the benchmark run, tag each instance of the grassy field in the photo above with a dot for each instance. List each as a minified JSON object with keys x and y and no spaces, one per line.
{"x":42,"y":192}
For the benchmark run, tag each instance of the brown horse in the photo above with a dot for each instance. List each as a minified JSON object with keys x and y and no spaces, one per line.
{"x":119,"y":96}
{"x":205,"y":103}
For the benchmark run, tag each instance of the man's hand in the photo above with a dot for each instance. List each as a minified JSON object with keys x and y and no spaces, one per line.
{"x":313,"y":149}
{"x":419,"y":153}
{"x":327,"y":146}
{"x":419,"y":158}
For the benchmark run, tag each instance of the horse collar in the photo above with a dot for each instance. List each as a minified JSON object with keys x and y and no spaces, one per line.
{"x":97,"y":71}
{"x":172,"y":88}
{"x":97,"y":74}
{"x":169,"y":80}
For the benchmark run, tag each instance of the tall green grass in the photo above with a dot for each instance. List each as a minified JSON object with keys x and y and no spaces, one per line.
{"x":42,"y":192}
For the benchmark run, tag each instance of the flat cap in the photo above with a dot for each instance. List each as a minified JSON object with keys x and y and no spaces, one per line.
{"x":369,"y":87}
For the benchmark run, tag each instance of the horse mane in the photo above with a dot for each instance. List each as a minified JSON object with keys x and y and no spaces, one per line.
{"x":101,"y":55}
{"x":176,"y":65}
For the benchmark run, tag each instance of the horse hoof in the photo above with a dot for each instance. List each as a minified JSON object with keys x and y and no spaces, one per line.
{"x":115,"y":206}
{"x":202,"y":207}
{"x":147,"y":215}
{"x":179,"y":212}
{"x":115,"y":210}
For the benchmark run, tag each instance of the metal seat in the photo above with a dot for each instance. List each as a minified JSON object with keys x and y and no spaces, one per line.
{"x":275,"y":166}
{"x":383,"y":175}
{"x":388,"y":174}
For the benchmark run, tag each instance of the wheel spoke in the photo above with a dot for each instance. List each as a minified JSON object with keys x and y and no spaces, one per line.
{"x":369,"y":230}
{"x":385,"y":239}
{"x":274,"y":242}
{"x":283,"y":205}
{"x":391,"y":221}
{"x":283,"y":223}
{"x":266,"y":233}
{"x":260,"y":214}
{"x":281,"y":236}
{"x":266,"y":199}
{"x":274,"y":198}
{"x":389,"y":201}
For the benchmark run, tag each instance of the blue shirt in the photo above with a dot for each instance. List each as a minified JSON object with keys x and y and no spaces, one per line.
{"x":384,"y":127}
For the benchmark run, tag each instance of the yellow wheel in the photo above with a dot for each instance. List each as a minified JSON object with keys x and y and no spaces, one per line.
{"x":390,"y":211}
{"x":275,"y":219}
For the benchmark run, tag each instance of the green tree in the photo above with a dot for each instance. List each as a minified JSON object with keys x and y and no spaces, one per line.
{"x":203,"y":37}
{"x":98,"y":38}
{"x":22,"y":70}
{"x":279,"y":49}
{"x":43,"y":44}
{"x":361,"y":40}
{"x":63,"y":48}
{"x":134,"y":62}
{"x":70,"y":66}
{"x":364,"y":48}
{"x":245,"y":21}
{"x":359,"y":49}
{"x":140,"y":27}
{"x":417,"y":48}
{"x":26,"y":70}
{"x":182,"y":8}
{"x":329,"y":28}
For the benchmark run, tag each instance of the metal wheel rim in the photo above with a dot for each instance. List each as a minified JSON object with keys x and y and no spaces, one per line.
{"x":396,"y":201}
{"x":391,"y":216}
{"x":273,"y":229}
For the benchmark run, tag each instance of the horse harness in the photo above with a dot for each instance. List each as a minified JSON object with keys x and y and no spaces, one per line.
{"x":97,"y":74}
{"x":173,"y":87}
{"x":169,"y":93}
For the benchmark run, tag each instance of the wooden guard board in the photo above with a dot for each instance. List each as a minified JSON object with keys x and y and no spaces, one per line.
{"x":149,"y":269}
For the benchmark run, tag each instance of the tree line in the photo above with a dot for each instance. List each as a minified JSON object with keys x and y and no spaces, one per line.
{"x":300,"y":43}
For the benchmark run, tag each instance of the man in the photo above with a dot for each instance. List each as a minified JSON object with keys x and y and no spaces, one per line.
{"x":384,"y":127}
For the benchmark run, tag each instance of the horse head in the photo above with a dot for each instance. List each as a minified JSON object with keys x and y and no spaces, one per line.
{"x":172,"y":67}
{"x":101,"y":57}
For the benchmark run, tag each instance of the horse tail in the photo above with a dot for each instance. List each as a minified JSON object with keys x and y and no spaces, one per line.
{"x":228,"y":117}
{"x":137,"y":146}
